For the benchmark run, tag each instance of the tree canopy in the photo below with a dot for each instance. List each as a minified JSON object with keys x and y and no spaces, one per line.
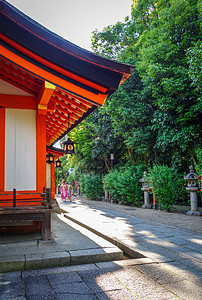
{"x":155,"y":116}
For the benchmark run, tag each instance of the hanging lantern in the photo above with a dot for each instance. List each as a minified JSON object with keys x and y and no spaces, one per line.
{"x":49,"y":158}
{"x":69,"y":146}
{"x":58,"y":163}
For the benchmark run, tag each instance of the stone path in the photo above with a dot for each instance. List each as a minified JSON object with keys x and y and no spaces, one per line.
{"x":167,"y":263}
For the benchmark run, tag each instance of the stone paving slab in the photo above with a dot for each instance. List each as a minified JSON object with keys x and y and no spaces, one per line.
{"x":73,"y":245}
{"x":12,"y":263}
{"x":122,"y":229}
{"x":95,"y":255}
{"x":190,"y":274}
{"x":175,"y":253}
{"x":127,"y":279}
{"x":185,"y":289}
{"x":11,"y":286}
{"x":47,"y":260}
{"x":164,"y":271}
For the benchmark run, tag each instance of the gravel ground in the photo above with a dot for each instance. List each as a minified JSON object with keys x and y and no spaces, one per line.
{"x":180,"y":220}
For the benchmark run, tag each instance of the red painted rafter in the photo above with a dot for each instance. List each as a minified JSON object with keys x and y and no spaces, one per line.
{"x":80,"y":106}
{"x":51,"y":134}
{"x":64,"y":116}
{"x":53,"y":66}
{"x":67,"y":106}
{"x":58,"y":119}
{"x":81,"y":100}
{"x":22,"y":74}
{"x":54,"y":127}
{"x":19,"y":86}
{"x":51,"y":131}
{"x":72,"y":115}
{"x":19,"y":81}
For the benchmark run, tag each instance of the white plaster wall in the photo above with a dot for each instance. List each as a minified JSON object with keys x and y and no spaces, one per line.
{"x":20,"y":149}
{"x":48,"y":175}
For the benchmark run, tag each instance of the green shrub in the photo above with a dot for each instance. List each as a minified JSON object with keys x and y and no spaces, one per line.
{"x":124,"y":184}
{"x":198,"y":163}
{"x":91,"y":186}
{"x":112,"y":183}
{"x":166,"y":184}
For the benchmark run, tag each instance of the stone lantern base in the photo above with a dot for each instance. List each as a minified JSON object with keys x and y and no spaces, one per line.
{"x":146,"y":206}
{"x":193,"y":213}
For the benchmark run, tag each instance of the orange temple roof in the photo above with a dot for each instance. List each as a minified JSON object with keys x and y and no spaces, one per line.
{"x":62,"y":80}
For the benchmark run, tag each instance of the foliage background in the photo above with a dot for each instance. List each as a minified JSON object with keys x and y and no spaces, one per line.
{"x":154,"y":118}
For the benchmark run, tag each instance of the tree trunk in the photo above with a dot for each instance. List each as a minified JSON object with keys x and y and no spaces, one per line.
{"x":130,"y":152}
{"x":107,"y":164}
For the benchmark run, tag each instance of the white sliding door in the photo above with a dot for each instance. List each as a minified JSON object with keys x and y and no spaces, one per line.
{"x":20,"y":149}
{"x":48,"y":175}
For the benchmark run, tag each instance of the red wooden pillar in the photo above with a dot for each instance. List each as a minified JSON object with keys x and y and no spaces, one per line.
{"x":41,"y":151}
{"x":2,"y":148}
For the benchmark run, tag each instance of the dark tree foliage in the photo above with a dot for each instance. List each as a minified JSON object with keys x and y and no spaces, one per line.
{"x":158,"y":111}
{"x":155,"y":116}
{"x":95,"y":140}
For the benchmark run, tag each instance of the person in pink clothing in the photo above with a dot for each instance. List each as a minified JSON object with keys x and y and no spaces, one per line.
{"x":63,"y":190}
{"x":69,"y":191}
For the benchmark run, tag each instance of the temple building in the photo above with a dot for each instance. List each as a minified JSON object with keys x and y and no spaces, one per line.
{"x":47,"y":87}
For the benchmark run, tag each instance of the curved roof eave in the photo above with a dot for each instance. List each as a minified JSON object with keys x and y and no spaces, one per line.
{"x":61,"y":52}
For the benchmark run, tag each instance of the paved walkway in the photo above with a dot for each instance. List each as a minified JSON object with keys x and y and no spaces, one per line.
{"x":166,"y":264}
{"x":71,"y":245}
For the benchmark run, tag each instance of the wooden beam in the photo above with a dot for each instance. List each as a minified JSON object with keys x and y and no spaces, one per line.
{"x":41,"y":152}
{"x":54,"y":125}
{"x":64,"y":116}
{"x":22,"y":82}
{"x":57,"y":119}
{"x":18,"y":85}
{"x":67,"y":106}
{"x":80,"y":106}
{"x":72,"y":115}
{"x":51,"y":106}
{"x":16,"y":101}
{"x":22,"y":74}
{"x":49,"y":120}
{"x":46,"y":92}
{"x":52,"y":180}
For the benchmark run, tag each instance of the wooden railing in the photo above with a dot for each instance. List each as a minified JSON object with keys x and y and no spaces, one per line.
{"x":17,"y":201}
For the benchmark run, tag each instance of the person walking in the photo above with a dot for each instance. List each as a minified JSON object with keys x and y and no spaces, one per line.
{"x":69,"y":191}
{"x":63,"y":190}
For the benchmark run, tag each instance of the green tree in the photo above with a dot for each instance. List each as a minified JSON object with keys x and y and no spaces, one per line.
{"x":194,"y":55}
{"x":94,"y":141}
{"x":124,"y":184}
{"x":166,"y":184}
{"x":163,"y":33}
{"x":132,"y":110}
{"x":91,"y":186}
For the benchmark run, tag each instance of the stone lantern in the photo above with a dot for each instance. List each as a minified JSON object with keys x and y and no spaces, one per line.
{"x":145,"y":189}
{"x":192,"y":181}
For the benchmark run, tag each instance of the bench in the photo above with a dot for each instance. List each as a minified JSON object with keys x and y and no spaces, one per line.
{"x":13,"y":213}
